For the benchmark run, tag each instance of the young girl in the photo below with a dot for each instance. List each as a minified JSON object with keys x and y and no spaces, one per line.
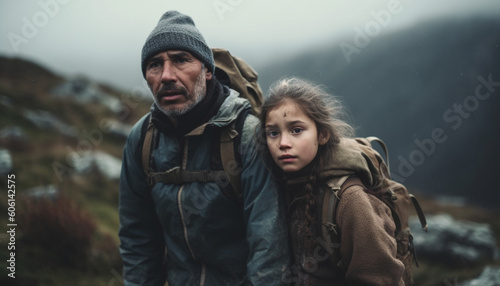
{"x":301,"y":127}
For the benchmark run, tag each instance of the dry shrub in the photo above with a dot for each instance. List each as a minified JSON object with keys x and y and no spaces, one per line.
{"x":15,"y":144}
{"x":105,"y":254}
{"x":58,"y":226}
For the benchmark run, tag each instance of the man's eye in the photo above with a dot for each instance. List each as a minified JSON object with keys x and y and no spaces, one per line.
{"x":154,"y":65}
{"x":297,"y":130}
{"x":180,"y":60}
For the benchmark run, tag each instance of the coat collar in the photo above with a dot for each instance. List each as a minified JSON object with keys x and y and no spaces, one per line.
{"x":232,"y":106}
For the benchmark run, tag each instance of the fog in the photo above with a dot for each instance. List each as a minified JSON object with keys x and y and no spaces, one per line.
{"x":103,"y":39}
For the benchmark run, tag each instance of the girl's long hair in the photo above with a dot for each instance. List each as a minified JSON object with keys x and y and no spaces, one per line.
{"x":331,"y":120}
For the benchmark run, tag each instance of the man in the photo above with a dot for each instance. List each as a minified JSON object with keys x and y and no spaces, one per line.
{"x":194,"y":233}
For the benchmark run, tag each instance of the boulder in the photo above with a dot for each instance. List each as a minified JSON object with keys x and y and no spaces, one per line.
{"x":45,"y":120}
{"x":454,"y":242}
{"x":14,"y":138}
{"x":118,"y":128}
{"x":106,"y":164}
{"x":84,"y":91}
{"x":489,"y":277}
{"x":6,"y":101}
{"x":44,"y":192}
{"x":12,"y":132}
{"x":5,"y":161}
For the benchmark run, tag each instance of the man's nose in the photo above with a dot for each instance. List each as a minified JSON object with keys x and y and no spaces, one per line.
{"x":168,"y":73}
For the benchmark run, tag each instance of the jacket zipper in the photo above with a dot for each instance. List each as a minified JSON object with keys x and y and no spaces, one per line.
{"x":203,"y":267}
{"x":184,"y":226}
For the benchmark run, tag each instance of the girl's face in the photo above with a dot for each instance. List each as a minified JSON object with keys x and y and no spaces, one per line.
{"x":291,"y":136}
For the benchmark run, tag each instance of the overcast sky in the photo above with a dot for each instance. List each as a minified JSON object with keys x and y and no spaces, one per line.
{"x":103,"y":39}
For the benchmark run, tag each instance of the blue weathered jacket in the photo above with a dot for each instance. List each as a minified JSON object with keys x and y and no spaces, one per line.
{"x":192,"y":234}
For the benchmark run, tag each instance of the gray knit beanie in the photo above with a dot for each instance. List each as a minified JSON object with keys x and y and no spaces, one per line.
{"x":176,"y":31}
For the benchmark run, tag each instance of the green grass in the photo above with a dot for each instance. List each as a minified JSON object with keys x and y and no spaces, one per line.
{"x":107,"y":216}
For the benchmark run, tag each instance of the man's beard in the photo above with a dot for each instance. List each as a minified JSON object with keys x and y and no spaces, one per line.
{"x":199,"y":93}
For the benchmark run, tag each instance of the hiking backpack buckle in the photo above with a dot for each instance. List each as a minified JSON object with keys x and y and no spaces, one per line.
{"x":174,"y":175}
{"x":331,"y":227}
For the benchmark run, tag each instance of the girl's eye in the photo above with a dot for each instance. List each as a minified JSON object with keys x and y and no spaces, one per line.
{"x":272,"y":133}
{"x":297,"y":130}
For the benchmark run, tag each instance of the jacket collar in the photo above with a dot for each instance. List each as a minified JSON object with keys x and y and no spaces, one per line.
{"x":232,"y":106}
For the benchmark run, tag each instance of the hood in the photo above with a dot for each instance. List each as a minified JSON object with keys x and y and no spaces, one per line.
{"x":355,"y":156}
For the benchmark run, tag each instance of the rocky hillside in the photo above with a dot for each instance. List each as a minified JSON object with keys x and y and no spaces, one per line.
{"x":44,"y":115}
{"x":62,"y":138}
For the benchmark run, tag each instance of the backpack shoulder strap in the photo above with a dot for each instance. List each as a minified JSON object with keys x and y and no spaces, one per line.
{"x":228,"y":159}
{"x":146,"y":146}
{"x":331,"y":198}
{"x":329,"y":228}
{"x":229,"y":151}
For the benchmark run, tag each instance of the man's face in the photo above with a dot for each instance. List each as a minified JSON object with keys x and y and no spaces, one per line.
{"x":177,"y":80}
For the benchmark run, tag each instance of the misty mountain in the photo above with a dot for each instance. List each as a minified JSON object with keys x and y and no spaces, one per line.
{"x":431,"y":92}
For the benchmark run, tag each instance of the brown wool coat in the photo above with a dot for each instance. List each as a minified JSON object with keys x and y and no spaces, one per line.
{"x":368,"y":246}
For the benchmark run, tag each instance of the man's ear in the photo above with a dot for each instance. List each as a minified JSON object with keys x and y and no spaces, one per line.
{"x":323,"y":137}
{"x":208,"y":75}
